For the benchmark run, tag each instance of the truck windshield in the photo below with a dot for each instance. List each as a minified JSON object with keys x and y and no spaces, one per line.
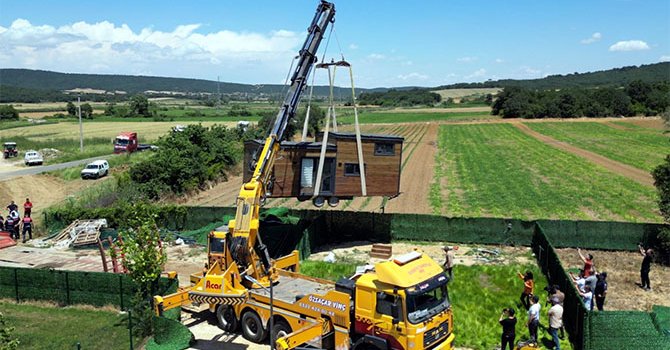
{"x":91,"y":166}
{"x":122,"y":142}
{"x":427,"y":299}
{"x":216,"y":245}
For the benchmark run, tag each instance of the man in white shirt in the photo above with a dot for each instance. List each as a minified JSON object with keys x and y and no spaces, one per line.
{"x":555,"y":321}
{"x":533,"y":318}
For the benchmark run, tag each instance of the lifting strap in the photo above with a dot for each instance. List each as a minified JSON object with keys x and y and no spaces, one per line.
{"x":359,"y":145}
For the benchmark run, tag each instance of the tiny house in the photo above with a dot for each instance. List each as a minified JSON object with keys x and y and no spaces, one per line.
{"x":296,"y":166}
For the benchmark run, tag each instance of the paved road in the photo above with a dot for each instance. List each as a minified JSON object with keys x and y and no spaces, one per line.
{"x":44,"y":168}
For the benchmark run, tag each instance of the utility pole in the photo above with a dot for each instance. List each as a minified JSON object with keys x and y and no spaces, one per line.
{"x":81,"y":128}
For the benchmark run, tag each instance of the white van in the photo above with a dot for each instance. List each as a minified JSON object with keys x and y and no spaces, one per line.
{"x":33,"y":158}
{"x":95,"y":170}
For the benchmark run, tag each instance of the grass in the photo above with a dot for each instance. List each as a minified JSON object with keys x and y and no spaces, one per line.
{"x":116,"y":161}
{"x":478,"y":294}
{"x":639,"y":147}
{"x":51,"y":327}
{"x":412,"y":117}
{"x":12,"y":124}
{"x":495,"y":170}
{"x":328,"y":271}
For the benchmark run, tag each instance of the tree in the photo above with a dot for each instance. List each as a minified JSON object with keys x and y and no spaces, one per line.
{"x":139,"y":106}
{"x":110,"y":109}
{"x":86,"y":111}
{"x":144,"y":257}
{"x":661,"y":176}
{"x":71,"y":109}
{"x":8,"y":112}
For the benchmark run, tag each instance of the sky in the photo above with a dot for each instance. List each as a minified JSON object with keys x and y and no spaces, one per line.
{"x":389,"y":43}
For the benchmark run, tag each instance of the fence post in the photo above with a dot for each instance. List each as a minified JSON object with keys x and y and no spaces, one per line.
{"x":67,"y":288}
{"x":16,"y":283}
{"x":130,"y":328}
{"x":121,"y":289}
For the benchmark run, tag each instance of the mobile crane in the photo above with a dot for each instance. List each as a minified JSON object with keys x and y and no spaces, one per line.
{"x":399,"y":304}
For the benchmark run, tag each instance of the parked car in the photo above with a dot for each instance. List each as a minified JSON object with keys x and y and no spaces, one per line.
{"x":95,"y":170}
{"x":33,"y":158}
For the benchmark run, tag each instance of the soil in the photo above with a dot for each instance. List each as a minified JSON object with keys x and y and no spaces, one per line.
{"x":467,"y":255}
{"x":651,"y":123}
{"x":635,"y":174}
{"x":623,"y":272}
{"x":43,"y":191}
{"x":416,"y":177}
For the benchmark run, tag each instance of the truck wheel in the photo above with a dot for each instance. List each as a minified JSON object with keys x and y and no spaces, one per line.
{"x":252,"y":327}
{"x":225,"y":315}
{"x":280,"y":329}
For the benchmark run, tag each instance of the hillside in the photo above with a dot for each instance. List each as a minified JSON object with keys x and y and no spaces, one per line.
{"x":131,"y":84}
{"x":611,"y":77}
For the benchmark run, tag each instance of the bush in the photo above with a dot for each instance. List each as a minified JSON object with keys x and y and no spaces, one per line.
{"x":186,"y":160}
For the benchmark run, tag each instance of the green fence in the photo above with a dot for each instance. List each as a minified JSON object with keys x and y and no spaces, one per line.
{"x":319,"y":227}
{"x":72,"y":287}
{"x":600,"y":330}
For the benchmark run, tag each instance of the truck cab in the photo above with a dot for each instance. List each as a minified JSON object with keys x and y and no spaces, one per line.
{"x":402,"y":304}
{"x":126,"y":142}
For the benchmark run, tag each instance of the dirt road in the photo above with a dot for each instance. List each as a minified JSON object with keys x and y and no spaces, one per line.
{"x":9,"y":170}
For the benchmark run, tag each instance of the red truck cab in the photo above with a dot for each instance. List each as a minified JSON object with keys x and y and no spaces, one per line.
{"x":126,"y":142}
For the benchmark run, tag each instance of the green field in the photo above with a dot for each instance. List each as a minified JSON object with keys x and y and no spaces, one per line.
{"x":478,"y":294}
{"x":498,"y":171}
{"x":52,"y":327}
{"x":411,"y":117}
{"x":641,"y":148}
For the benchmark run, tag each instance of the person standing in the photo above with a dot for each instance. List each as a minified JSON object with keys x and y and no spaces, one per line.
{"x":592,"y":282}
{"x":588,"y":263}
{"x":9,"y":227}
{"x":579,"y":280}
{"x":587,"y":297}
{"x":528,"y":286}
{"x":533,"y":318}
{"x":555,"y":321}
{"x":449,"y":261}
{"x":12,"y":207}
{"x":646,"y":267}
{"x":27,"y":207}
{"x":601,"y":290}
{"x":508,"y":323}
{"x":2,"y":223}
{"x":27,"y":227}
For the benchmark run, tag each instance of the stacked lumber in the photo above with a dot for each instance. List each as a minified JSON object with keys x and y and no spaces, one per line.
{"x":79,"y":233}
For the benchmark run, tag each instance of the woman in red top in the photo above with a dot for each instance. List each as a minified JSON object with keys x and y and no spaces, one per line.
{"x":588,"y":263}
{"x":528,"y":286}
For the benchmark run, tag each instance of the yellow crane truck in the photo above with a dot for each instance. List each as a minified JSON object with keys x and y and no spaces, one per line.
{"x":402,"y":303}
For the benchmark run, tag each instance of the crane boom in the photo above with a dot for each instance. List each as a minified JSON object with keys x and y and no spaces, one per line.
{"x":245,"y":246}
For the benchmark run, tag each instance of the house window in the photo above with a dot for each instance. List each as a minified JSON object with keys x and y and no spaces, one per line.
{"x":352,"y":169}
{"x":384,"y":149}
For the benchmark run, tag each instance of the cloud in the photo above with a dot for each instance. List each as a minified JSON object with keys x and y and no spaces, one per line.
{"x":353,"y":46}
{"x":477,"y":74}
{"x":412,"y":76}
{"x":630,"y":45}
{"x":594,"y":37}
{"x":499,"y":60}
{"x":105,"y":47}
{"x":467,"y":59}
{"x":376,"y":56}
{"x":664,"y":58}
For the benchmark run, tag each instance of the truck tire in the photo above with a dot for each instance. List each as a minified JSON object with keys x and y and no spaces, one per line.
{"x":280,"y":329}
{"x":225,"y":317}
{"x":252,"y":327}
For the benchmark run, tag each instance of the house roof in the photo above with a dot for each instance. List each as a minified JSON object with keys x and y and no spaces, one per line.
{"x":364,"y":137}
{"x":298,"y":145}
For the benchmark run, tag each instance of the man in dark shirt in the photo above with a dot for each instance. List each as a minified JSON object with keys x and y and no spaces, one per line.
{"x":646,"y":266}
{"x":508,"y":322}
{"x":12,"y":206}
{"x":601,"y":290}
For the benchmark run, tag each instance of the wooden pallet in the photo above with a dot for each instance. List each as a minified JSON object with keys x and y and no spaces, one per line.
{"x":381,"y":251}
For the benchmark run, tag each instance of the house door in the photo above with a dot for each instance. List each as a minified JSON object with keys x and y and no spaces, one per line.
{"x":308,"y":170}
